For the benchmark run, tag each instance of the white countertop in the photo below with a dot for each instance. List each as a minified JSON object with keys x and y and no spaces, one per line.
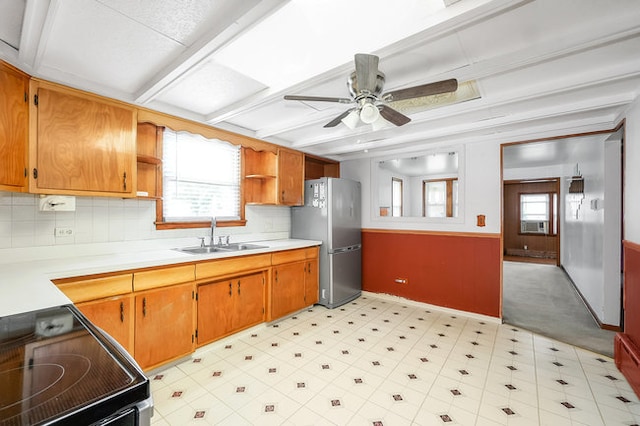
{"x":25,"y":280}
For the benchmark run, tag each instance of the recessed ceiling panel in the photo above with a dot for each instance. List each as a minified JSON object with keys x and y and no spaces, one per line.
{"x":305,"y":38}
{"x":173,"y":18}
{"x":566,"y":71}
{"x":99,"y":44}
{"x":542,"y":24}
{"x":434,"y":60}
{"x":208,"y":88}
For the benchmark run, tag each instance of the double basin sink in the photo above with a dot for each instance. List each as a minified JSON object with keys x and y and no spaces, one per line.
{"x":224,"y":248}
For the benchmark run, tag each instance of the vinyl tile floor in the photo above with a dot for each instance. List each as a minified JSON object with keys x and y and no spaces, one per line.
{"x":379,"y":361}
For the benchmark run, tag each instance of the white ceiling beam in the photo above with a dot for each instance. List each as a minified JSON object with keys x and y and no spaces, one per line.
{"x":237,"y":22}
{"x":39,"y":16}
{"x":432,"y":129}
{"x":503,"y":130}
{"x":446,"y":21}
{"x":485,"y":69}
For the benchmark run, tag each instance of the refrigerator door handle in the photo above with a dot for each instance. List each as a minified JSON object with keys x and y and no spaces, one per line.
{"x":345,"y":249}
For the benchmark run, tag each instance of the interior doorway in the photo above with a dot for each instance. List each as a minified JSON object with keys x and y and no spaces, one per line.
{"x":586,"y":226}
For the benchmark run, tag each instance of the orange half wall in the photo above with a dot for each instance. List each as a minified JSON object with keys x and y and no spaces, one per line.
{"x":457,"y":271}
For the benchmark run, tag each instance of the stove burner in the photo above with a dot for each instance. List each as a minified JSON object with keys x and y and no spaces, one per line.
{"x":47,"y":379}
{"x":60,"y":376}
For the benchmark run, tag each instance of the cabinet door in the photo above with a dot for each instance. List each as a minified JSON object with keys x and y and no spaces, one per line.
{"x":215,"y":310}
{"x":249,"y":303}
{"x":83,"y":144}
{"x":164,"y":324}
{"x":311,"y":282}
{"x":14,"y":122}
{"x":114,"y":316}
{"x":290,"y":178}
{"x":287,"y":289}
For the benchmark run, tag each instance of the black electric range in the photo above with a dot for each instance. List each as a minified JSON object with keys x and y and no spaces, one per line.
{"x":56,"y":368}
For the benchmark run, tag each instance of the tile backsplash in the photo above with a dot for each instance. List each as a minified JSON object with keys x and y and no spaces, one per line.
{"x":116,"y":220}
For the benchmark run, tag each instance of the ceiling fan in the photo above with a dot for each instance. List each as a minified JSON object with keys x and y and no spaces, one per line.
{"x":365,"y":85}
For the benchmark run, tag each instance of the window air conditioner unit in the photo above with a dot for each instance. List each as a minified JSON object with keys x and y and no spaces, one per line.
{"x":534,"y":226}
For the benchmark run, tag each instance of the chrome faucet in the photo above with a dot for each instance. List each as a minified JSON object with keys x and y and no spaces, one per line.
{"x":213,"y":231}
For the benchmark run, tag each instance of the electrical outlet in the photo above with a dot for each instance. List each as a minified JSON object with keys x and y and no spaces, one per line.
{"x":63,"y":232}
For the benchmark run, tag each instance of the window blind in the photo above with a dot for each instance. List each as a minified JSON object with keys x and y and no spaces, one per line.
{"x":201,"y":177}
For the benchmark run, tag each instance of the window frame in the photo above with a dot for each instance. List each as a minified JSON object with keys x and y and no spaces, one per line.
{"x":394,"y":182}
{"x":448,"y":196}
{"x":179,"y":124}
{"x":552,"y":206}
{"x":162,"y":224}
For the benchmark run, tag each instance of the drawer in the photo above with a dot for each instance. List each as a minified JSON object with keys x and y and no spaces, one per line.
{"x":288,"y":256}
{"x":232,"y":266}
{"x":95,"y":288}
{"x":163,"y":277}
{"x":311,"y":252}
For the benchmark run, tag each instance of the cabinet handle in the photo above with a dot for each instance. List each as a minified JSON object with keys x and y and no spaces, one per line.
{"x":238,"y":287}
{"x":282,"y":196}
{"x":124,"y":181}
{"x":121,"y":311}
{"x":144,"y":306}
{"x":276,"y":275}
{"x":230,"y":289}
{"x":309,"y":268}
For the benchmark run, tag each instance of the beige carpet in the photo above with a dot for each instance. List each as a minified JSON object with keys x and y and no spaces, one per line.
{"x":540,"y":298}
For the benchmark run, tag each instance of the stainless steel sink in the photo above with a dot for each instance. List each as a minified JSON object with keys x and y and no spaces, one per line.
{"x":221,"y":248}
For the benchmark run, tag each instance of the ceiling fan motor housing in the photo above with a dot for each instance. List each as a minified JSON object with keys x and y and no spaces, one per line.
{"x":354,"y":89}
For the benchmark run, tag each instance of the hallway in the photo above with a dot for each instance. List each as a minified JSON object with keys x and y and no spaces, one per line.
{"x":540,"y":298}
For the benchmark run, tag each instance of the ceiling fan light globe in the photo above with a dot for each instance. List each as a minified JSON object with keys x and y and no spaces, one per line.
{"x":351,"y":120}
{"x":379,"y":124}
{"x":369,"y":113}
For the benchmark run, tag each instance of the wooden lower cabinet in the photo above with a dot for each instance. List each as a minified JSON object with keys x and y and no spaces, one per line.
{"x":155,"y":315}
{"x":229,"y":305}
{"x":164,"y":324}
{"x":311,"y":278}
{"x":114,"y":315}
{"x":294,"y":282}
{"x":287,"y":289}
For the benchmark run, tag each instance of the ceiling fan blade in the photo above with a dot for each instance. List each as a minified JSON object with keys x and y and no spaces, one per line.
{"x":366,"y":71}
{"x":338,"y":119}
{"x":428,"y":89}
{"x":393,"y":116}
{"x":317,"y":98}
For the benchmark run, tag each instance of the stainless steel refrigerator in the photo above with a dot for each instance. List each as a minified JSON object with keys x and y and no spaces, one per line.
{"x":331,"y":213}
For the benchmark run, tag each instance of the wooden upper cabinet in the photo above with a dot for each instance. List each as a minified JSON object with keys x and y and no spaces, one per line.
{"x":273,"y":177}
{"x":149,"y":160}
{"x":290,"y":178}
{"x":318,"y":167}
{"x":80,"y":143}
{"x":14,"y":124}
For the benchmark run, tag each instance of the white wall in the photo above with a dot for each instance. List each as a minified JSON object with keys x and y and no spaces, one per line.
{"x":479,"y":188}
{"x":632,"y":174}
{"x":583,"y":232}
{"x":116,"y":220}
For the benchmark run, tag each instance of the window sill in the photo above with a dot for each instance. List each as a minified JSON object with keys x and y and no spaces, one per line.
{"x":204,"y":224}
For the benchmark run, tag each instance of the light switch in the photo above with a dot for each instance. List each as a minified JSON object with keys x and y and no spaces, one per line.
{"x":481,"y":220}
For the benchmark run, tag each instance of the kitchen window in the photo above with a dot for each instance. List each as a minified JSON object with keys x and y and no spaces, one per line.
{"x":440,"y":198}
{"x":201,"y":178}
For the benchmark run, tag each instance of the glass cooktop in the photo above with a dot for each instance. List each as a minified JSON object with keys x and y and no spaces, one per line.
{"x":56,"y":368}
